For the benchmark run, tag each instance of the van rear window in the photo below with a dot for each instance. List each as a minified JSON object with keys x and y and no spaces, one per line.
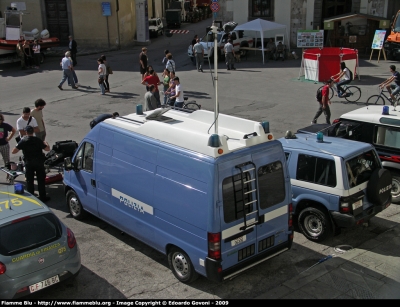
{"x":271,"y":189}
{"x":271,"y":184}
{"x":29,"y":234}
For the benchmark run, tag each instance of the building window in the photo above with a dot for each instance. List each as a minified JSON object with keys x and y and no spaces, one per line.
{"x":261,"y":8}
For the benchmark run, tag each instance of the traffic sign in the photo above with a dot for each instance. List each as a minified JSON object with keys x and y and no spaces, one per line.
{"x":214,"y":0}
{"x":214,"y":6}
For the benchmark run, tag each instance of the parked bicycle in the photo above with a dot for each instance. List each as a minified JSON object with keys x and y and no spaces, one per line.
{"x":380,"y":99}
{"x":351,"y":93}
{"x":191,"y":105}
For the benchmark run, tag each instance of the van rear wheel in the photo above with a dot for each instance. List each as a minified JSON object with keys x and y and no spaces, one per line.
{"x":315,"y":224}
{"x":180,"y":264}
{"x":75,"y":206}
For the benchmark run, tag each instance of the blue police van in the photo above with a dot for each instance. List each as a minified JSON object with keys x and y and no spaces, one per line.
{"x":215,"y":204}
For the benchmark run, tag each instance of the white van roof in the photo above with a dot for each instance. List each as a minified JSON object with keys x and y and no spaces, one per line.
{"x":373,"y":114}
{"x":193,"y":130}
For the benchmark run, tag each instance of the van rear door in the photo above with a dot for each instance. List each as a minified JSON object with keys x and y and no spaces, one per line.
{"x":255,"y":193}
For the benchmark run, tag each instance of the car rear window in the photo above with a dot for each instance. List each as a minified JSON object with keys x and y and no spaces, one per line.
{"x":29,"y":233}
{"x":360,"y":168}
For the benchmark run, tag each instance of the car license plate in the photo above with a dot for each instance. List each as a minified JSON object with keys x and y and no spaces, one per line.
{"x":44,"y":284}
{"x":239,"y":240}
{"x":357,"y":204}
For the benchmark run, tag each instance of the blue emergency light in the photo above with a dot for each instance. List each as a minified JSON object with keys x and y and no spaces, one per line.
{"x":214,"y":141}
{"x":320,"y":137}
{"x":265,"y":126}
{"x":385,"y":110}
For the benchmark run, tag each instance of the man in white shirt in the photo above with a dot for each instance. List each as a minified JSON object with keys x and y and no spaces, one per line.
{"x":67,"y":71}
{"x":199,"y":54}
{"x":25,"y":120}
{"x":178,"y":94}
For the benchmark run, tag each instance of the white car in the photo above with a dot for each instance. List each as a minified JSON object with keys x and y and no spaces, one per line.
{"x":155,"y":27}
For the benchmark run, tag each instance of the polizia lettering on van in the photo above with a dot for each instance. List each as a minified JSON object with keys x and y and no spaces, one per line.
{"x":128,"y":203}
{"x":131,"y":202}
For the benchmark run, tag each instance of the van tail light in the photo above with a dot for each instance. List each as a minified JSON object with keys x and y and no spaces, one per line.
{"x":71,"y":238}
{"x":214,"y":245}
{"x":2,"y":268}
{"x":336,"y":121}
{"x":290,"y":222}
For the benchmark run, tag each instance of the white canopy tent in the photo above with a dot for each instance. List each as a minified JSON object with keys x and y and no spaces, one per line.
{"x":263,"y":26}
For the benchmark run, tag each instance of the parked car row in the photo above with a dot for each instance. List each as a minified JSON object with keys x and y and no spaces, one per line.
{"x":223,"y":203}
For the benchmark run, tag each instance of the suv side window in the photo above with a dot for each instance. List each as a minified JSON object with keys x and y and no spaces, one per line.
{"x":233,"y":36}
{"x":387,"y":136}
{"x":316,"y":170}
{"x":84,"y":157}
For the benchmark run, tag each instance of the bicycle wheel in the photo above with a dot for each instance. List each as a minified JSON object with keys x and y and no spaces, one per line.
{"x":352,"y":93}
{"x":192,"y":106}
{"x":376,"y":99}
{"x":330,"y":91}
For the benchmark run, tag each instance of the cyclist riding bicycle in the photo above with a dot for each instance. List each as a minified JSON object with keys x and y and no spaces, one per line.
{"x":393,"y":88}
{"x":345,"y":73}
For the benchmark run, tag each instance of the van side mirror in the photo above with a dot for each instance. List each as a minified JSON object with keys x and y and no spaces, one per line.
{"x":68,"y":164}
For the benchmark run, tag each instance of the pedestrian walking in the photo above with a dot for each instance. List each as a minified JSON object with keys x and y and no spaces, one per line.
{"x":108,"y":72}
{"x":178,"y":97}
{"x":32,"y":148}
{"x":36,"y":53}
{"x":101,"y":70}
{"x":67,"y":68}
{"x":166,"y":79}
{"x":37,"y":113}
{"x":164,"y":60}
{"x":194,"y":41}
{"x":229,"y":55}
{"x":324,"y":104}
{"x":101,"y":118}
{"x":25,"y":120}
{"x":6,"y":133}
{"x":73,"y":72}
{"x":73,"y":48}
{"x":150,"y":101}
{"x":199,"y":54}
{"x":171,"y":90}
{"x":170,"y":63}
{"x":143,"y":59}
{"x":28,"y":54}
{"x":20,"y":53}
{"x":153,"y":79}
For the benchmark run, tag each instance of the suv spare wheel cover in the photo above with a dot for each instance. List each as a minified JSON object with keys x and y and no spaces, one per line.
{"x":379,"y":187}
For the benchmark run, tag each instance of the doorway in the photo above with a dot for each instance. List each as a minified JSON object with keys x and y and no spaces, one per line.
{"x":57,"y":19}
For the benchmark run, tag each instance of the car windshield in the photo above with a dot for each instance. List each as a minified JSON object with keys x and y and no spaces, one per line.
{"x":152,"y":23}
{"x":29,"y":233}
{"x":360,"y":168}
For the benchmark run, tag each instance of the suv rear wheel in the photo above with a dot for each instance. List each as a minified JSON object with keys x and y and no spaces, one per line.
{"x":395,"y":188}
{"x":315,"y":224}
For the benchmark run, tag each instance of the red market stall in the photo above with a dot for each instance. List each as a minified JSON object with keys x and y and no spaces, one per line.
{"x":319,"y":64}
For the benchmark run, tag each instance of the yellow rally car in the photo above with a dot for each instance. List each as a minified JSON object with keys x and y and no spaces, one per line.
{"x":36,"y":249}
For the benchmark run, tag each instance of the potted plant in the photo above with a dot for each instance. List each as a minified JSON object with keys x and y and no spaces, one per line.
{"x":200,"y":14}
{"x":209,"y":12}
{"x":195,"y":16}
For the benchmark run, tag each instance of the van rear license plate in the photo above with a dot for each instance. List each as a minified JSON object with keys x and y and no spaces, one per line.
{"x":44,"y":284}
{"x":239,"y":240}
{"x":357,"y":204}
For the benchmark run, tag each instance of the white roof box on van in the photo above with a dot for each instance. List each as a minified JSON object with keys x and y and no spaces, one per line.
{"x":192,"y":131}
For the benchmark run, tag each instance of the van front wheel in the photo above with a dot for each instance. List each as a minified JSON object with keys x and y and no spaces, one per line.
{"x":315,"y":224}
{"x":75,"y":206}
{"x":180,"y":264}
